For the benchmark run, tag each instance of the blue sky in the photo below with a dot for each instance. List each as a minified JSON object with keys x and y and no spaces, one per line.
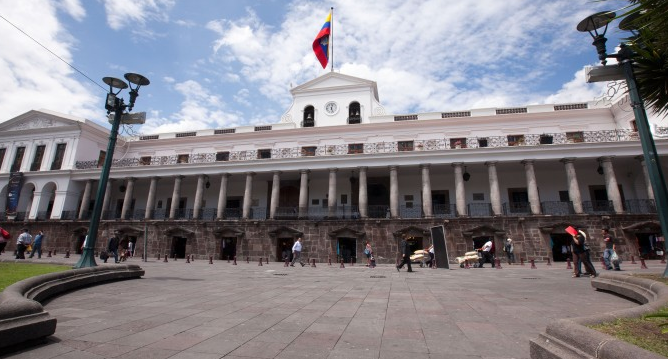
{"x":225,"y":63}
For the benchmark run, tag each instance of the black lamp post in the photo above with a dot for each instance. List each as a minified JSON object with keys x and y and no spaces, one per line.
{"x":625,"y":58}
{"x":117,"y":106}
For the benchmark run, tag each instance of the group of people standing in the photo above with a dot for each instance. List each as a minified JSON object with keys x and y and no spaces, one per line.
{"x":581,"y":255}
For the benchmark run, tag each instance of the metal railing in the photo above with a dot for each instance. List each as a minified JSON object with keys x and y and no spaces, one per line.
{"x":598,"y":207}
{"x":640,"y":206}
{"x":557,"y":208}
{"x":479,"y":210}
{"x":516,"y":208}
{"x":444,"y":210}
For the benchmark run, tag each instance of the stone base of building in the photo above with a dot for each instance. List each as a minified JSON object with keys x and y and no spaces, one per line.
{"x":535,"y":237}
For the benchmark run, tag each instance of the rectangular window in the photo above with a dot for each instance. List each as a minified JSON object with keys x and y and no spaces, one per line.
{"x":263,"y":154}
{"x":482,"y":142}
{"x":515,"y":140}
{"x":355,"y":148}
{"x":546,"y":139}
{"x":145,"y":161}
{"x":405,"y":146}
{"x":325,"y":203}
{"x":315,"y":202}
{"x":182,"y":159}
{"x":563,"y":196}
{"x":308,"y":151}
{"x":458,"y":142}
{"x":2,"y":155}
{"x":408,"y":197}
{"x":100,"y":158}
{"x":58,"y":157}
{"x":575,"y":137}
{"x":478,"y":196}
{"x":222,"y":156}
{"x":344,"y":199}
{"x":37,"y":160}
{"x":18,"y":159}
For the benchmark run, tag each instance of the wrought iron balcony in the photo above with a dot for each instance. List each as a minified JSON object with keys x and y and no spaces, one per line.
{"x":598,"y":207}
{"x":480,"y":210}
{"x":445,"y":210}
{"x":640,"y":206}
{"x":557,"y":208}
{"x":516,"y":209}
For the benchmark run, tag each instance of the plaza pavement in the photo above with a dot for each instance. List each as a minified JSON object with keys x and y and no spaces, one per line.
{"x":184,"y":310}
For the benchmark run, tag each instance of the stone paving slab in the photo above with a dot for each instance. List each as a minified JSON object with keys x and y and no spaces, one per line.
{"x":200,"y":310}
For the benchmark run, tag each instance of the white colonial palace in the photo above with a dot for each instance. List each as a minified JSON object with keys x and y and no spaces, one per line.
{"x":338,"y":170}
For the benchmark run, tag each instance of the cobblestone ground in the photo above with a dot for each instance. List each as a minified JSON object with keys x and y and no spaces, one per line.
{"x":201,"y":310}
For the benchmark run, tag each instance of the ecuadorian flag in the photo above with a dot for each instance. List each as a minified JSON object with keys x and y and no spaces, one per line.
{"x":321,"y":42}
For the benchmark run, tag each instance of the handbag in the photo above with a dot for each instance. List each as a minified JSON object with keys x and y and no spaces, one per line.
{"x":104,"y":255}
{"x":614,"y":257}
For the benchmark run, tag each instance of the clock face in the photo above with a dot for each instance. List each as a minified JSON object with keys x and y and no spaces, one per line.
{"x":331,"y":108}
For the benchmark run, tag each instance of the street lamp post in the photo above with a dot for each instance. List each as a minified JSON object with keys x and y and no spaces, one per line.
{"x":117,"y":106}
{"x":592,"y":24}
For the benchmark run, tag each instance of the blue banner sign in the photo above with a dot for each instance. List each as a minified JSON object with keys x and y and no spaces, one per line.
{"x":13,"y":191}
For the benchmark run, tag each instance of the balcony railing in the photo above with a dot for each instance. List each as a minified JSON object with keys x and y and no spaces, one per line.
{"x":598,"y":207}
{"x":410,"y":212}
{"x":480,"y":210}
{"x":557,"y":208}
{"x":445,"y":210}
{"x":516,"y":208}
{"x":381,"y":147}
{"x":640,"y":206}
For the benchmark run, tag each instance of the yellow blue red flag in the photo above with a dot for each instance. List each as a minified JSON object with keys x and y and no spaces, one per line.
{"x":321,"y":42}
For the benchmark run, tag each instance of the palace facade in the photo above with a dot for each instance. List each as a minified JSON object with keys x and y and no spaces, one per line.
{"x":339,"y":171}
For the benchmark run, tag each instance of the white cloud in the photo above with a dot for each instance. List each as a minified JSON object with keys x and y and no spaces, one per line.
{"x":31,"y":74}
{"x":135,"y":14}
{"x":577,"y":90}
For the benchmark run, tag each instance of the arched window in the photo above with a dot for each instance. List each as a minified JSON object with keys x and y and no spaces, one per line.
{"x":354,"y":116}
{"x":309,"y":117}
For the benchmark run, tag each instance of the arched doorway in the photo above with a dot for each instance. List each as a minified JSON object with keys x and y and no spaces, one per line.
{"x":228,"y":242}
{"x":45,"y":205}
{"x":283,"y":238}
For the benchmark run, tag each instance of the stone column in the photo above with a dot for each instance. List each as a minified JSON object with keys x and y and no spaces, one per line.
{"x":532,"y":186}
{"x":573,"y":186}
{"x":394,"y":192}
{"x":460,"y":190}
{"x":150,"y":201}
{"x":331,"y":197}
{"x":363,"y":196}
{"x":222,"y":196}
{"x":648,"y":183}
{"x":107,"y":198}
{"x":85,"y":201}
{"x":248,"y":193}
{"x":303,"y":194}
{"x":199,"y":193}
{"x":427,"y":207}
{"x":494,"y":192}
{"x":127,"y":201}
{"x":275,"y":194}
{"x":611,"y":185}
{"x":176,"y":195}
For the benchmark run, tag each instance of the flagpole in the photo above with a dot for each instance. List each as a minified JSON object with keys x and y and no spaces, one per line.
{"x":331,"y":39}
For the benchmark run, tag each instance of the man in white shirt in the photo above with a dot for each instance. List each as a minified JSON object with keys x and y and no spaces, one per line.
{"x":22,"y":243}
{"x":486,"y":254}
{"x":297,"y":252}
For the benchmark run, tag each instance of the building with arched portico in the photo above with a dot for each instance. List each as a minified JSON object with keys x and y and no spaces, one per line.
{"x":338,"y":170}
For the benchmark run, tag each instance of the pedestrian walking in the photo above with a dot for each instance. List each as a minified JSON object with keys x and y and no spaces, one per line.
{"x":430,"y":251}
{"x":112,"y":246}
{"x":581,"y":253}
{"x":22,"y":242}
{"x":509,"y":248}
{"x":297,"y":252}
{"x":368,"y":252}
{"x":609,"y":250}
{"x":405,"y":255}
{"x":486,"y":251}
{"x":37,"y":245}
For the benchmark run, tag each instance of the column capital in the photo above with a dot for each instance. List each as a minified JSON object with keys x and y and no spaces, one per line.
{"x":250,"y":174}
{"x":425,"y":165}
{"x":457,"y":164}
{"x":131,"y":179}
{"x":277,"y":172}
{"x":491,"y":163}
{"x":605,"y":158}
{"x":224,"y":175}
{"x":333,"y":170}
{"x":393,"y":167}
{"x":154,"y":178}
{"x":304,"y":171}
{"x":179,"y":176}
{"x":567,"y":160}
{"x":640,"y":158}
{"x":527,"y":162}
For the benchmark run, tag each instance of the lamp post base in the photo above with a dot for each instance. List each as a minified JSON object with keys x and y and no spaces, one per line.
{"x":87,"y":259}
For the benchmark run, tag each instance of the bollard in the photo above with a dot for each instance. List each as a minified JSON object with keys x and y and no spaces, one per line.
{"x":352,"y":263}
{"x":329,"y":260}
{"x":228,"y":259}
{"x":497,"y":263}
{"x":174,"y":257}
{"x":642,"y":263}
{"x":235,"y":261}
{"x":266,"y":260}
{"x":54,"y":252}
{"x":210,"y":259}
{"x":287,"y":262}
{"x":633,"y":260}
{"x":157,"y":258}
{"x":192,"y":258}
{"x":603,"y":263}
{"x":466,"y":264}
{"x":165,"y":261}
{"x":259,"y":264}
{"x":67,"y":253}
{"x":313,"y":263}
{"x":548,"y":261}
{"x":521,"y":261}
{"x":342,"y":266}
{"x":568,"y":260}
{"x":49,"y":255}
{"x":188,"y":259}
{"x":533,"y":264}
{"x":247,"y":259}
